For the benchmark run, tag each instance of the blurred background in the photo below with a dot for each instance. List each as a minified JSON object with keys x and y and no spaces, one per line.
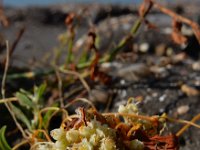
{"x":47,"y":2}
{"x":152,"y":65}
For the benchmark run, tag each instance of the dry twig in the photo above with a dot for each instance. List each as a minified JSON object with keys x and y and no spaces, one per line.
{"x":8,"y":104}
{"x":195,"y":27}
{"x":14,"y":45}
{"x":3,"y":18}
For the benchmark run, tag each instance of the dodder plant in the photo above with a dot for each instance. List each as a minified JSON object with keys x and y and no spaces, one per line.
{"x":89,"y":129}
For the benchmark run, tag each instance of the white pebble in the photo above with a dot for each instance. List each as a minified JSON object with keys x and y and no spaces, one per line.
{"x":196,"y":66}
{"x":162,"y":98}
{"x":144,"y":47}
{"x":183,"y":109}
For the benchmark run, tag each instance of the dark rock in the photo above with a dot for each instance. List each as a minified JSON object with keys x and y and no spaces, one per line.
{"x":112,"y":11}
{"x":179,"y":9}
{"x":2,"y":43}
{"x":193,"y":48}
{"x":16,"y":15}
{"x":46,"y":16}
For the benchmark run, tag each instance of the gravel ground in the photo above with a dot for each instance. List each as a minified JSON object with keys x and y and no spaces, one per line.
{"x":161,"y":91}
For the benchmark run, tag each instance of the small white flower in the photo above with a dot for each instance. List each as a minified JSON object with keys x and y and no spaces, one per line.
{"x":73,"y":136}
{"x":107,"y":144}
{"x":58,"y":134}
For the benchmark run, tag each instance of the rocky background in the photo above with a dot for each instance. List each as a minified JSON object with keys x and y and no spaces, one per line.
{"x":165,"y":75}
{"x":44,"y":24}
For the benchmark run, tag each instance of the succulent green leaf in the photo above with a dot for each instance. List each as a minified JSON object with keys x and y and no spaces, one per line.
{"x":24,"y":100}
{"x":3,"y":143}
{"x":39,"y":91}
{"x":21,"y":116}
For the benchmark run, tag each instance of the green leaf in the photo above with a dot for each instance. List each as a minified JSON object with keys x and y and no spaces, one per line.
{"x":25,"y":92}
{"x":39,"y":91}
{"x":84,"y":57}
{"x":21,"y":116}
{"x":3,"y":143}
{"x":48,"y":116}
{"x":24,"y":100}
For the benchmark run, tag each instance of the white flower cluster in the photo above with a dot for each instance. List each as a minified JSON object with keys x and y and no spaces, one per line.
{"x":93,"y":136}
{"x":90,"y":137}
{"x":130,"y":108}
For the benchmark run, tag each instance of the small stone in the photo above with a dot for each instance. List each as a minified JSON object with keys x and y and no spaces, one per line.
{"x":163,"y":61}
{"x":178,"y":58}
{"x":132,"y":72}
{"x":161,"y":110}
{"x":126,"y":26}
{"x":155,"y":94}
{"x":123,"y":94}
{"x":135,"y":47}
{"x":147,"y":99}
{"x":196,"y":66}
{"x":122,"y":82}
{"x":186,"y":31}
{"x":197,"y":83}
{"x":167,"y":30}
{"x":98,"y":95}
{"x":160,"y":49}
{"x":189,"y":91}
{"x":160,"y":72}
{"x":144,"y":47}
{"x":183,"y":109}
{"x":169,"y":51}
{"x":162,"y":98}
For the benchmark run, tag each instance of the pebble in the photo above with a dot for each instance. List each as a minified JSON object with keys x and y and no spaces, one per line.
{"x":183,"y":109}
{"x":196,"y":66}
{"x":169,"y":51}
{"x":160,"y":72}
{"x":144,"y":47}
{"x":166,"y":30}
{"x":98,"y":95}
{"x":126,"y":26}
{"x":162,"y":98}
{"x":122,"y":94}
{"x":161,"y":110}
{"x":155,"y":94}
{"x":186,"y":31}
{"x":160,"y":49}
{"x":132,"y":72}
{"x":178,"y":58}
{"x":197,"y":82}
{"x":189,"y":90}
{"x":111,"y":66}
{"x":122,"y":82}
{"x":147,"y":99}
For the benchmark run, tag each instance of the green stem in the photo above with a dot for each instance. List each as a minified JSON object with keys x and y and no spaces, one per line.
{"x":133,"y":31}
{"x":29,"y":74}
{"x":125,"y":40}
{"x":70,"y":47}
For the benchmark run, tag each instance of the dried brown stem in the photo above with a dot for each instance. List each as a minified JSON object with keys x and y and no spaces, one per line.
{"x":182,"y":130}
{"x":3,"y":18}
{"x":14,"y":45}
{"x":195,"y":27}
{"x":60,"y":87}
{"x":3,"y":90}
{"x":76,"y":74}
{"x":6,"y":100}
